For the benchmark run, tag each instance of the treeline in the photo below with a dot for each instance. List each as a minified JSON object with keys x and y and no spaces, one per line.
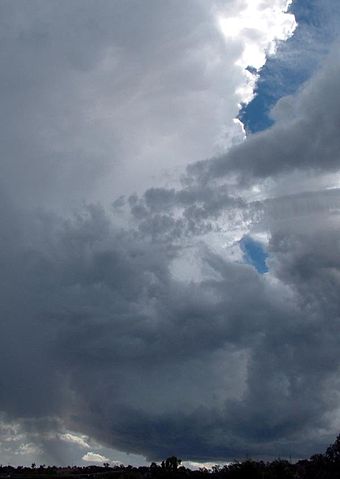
{"x":319,"y":466}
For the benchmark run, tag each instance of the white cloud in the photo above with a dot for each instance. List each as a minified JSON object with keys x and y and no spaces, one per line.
{"x":75,"y":439}
{"x":94,"y":457}
{"x":259,"y":26}
{"x":195,"y":465}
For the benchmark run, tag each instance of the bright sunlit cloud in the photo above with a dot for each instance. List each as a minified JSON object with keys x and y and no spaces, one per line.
{"x":78,"y":440}
{"x":94,"y":457}
{"x":259,"y":27}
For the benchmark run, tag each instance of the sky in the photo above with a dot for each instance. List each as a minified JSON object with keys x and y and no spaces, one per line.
{"x":169,"y":243}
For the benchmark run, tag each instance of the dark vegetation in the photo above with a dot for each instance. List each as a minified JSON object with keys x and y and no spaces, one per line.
{"x":319,"y":466}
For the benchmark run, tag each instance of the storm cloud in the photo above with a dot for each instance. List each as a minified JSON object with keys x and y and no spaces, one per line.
{"x":129,"y":316}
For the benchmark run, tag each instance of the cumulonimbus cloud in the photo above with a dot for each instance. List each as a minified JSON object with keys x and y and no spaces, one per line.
{"x":99,"y":335}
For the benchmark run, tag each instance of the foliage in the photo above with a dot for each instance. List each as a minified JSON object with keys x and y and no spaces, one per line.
{"x":319,"y":466}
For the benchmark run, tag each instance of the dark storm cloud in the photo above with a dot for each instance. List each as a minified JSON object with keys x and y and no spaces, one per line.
{"x":124,"y":352}
{"x":99,"y":334}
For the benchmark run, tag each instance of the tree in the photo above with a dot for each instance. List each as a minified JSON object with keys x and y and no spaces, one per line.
{"x":333,"y":452}
{"x":172,"y":463}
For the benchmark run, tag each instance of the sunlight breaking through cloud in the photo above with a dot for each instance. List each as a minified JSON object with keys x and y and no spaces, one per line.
{"x":260,"y":25}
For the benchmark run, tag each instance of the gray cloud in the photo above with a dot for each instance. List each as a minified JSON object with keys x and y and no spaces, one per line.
{"x":100,"y":98}
{"x":99,"y":334}
{"x":303,"y":137}
{"x":127,"y":354}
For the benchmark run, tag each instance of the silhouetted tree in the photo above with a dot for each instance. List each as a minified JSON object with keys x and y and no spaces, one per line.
{"x":172,"y":463}
{"x":319,"y":466}
{"x":333,"y":451}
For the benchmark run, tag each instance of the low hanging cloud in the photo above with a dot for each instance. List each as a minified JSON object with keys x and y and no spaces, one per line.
{"x":101,"y":335}
{"x":94,"y":457}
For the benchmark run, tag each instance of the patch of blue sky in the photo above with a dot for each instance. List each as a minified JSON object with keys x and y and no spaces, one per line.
{"x":283,"y":74}
{"x":295,"y":60}
{"x":254,"y":254}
